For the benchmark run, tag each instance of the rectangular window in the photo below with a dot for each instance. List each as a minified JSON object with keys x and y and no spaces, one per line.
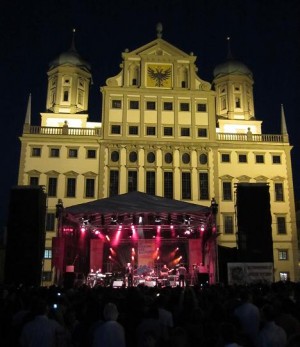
{"x":66,"y":95}
{"x":90,"y":188}
{"x":202,"y":132}
{"x":186,"y":185}
{"x":71,"y":187}
{"x":116,"y":104}
{"x":134,"y":105}
{"x":150,"y":182}
{"x":113,"y":183}
{"x":150,"y":131}
{"x":259,"y":159}
{"x":73,"y":153}
{"x":278,"y":192}
{"x":50,"y":221}
{"x":132,"y":181}
{"x":184,"y":106}
{"x":54,"y":152}
{"x":227,"y":193}
{"x":52,"y":186}
{"x":168,"y":131}
{"x":168,"y":106}
{"x":242,"y":158}
{"x":276,"y":159}
{"x":225,"y":158}
{"x":201,"y":107}
{"x":203,"y":185}
{"x":168,"y":185}
{"x":33,"y":181}
{"x":91,"y":153}
{"x":281,"y":225}
{"x":36,"y":152}
{"x":150,"y":105}
{"x":282,"y":254}
{"x":185,"y":131}
{"x":116,"y":129}
{"x":133,"y":130}
{"x":48,"y":254}
{"x":228,"y":224}
{"x":284,"y":276}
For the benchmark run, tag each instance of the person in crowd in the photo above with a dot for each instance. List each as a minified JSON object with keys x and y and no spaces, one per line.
{"x":182,"y":275}
{"x":129,"y":275}
{"x":111,"y":333}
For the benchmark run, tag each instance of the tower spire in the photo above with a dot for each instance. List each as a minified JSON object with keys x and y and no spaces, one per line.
{"x":284,"y":131}
{"x":229,"y":53}
{"x":73,"y":48}
{"x":159,"y":30}
{"x":27,"y":122}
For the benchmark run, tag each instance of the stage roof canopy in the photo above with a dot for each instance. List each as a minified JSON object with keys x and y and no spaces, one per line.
{"x":137,"y":203}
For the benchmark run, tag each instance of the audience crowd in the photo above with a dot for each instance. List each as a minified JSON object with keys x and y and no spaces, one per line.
{"x":258,"y":315}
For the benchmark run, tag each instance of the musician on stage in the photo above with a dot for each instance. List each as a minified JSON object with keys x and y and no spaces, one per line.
{"x":182,"y":275}
{"x":129,"y":274}
{"x":164,"y":271}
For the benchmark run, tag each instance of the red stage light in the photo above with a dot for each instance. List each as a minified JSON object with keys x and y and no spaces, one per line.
{"x":82,"y":229}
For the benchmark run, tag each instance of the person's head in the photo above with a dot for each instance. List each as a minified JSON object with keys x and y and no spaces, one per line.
{"x":110,"y":312}
{"x":268,"y":313}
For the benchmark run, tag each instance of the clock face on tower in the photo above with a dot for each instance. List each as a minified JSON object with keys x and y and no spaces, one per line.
{"x":159,"y":75}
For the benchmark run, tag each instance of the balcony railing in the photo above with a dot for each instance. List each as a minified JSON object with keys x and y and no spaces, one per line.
{"x":38,"y":130}
{"x":252,"y":137}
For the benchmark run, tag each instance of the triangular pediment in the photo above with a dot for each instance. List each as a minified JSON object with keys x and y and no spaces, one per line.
{"x":261,"y":178}
{"x":226,"y":178}
{"x":52,"y":173}
{"x":71,"y":173}
{"x":158,"y":47}
{"x":33,"y":173}
{"x":277,"y":178}
{"x":244,"y":178}
{"x":89,"y":174}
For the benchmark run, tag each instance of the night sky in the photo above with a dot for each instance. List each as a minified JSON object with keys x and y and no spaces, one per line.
{"x":265,"y":35}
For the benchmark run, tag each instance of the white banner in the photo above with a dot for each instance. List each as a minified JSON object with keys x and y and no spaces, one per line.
{"x":244,"y":273}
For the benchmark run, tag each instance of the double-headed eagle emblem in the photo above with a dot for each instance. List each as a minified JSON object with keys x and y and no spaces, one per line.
{"x":159,"y":75}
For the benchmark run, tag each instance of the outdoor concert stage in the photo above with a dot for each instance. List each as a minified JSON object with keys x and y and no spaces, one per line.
{"x":143,"y":230}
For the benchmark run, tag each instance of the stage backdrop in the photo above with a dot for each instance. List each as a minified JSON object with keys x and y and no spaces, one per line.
{"x":96,"y":254}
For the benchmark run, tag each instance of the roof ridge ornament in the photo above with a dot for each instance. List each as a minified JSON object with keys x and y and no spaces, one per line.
{"x":159,"y":29}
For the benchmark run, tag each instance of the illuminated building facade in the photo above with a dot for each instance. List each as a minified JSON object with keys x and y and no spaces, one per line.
{"x":163,"y":131}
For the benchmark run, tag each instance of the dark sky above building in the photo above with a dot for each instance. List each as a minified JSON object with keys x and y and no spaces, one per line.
{"x":265,"y":35}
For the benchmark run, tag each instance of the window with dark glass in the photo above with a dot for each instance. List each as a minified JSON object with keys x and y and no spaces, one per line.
{"x":54,"y":152}
{"x":132,"y":181}
{"x":276,"y":159}
{"x":225,"y":158}
{"x":168,"y":185}
{"x":36,"y":152}
{"x":66,"y":95}
{"x":203,"y":186}
{"x":114,"y":156}
{"x":201,"y":107}
{"x":150,"y":105}
{"x":33,"y":181}
{"x":186,"y":158}
{"x":203,"y":159}
{"x":168,"y":158}
{"x":184,"y":106}
{"x":150,"y":157}
{"x":113,"y":183}
{"x":91,"y":153}
{"x":168,"y":131}
{"x":73,"y":153}
{"x":47,"y":276}
{"x":133,"y":157}
{"x":227,"y":192}
{"x":185,"y":131}
{"x":71,"y":187}
{"x":259,"y":159}
{"x":278,"y":192}
{"x":116,"y":104}
{"x":281,"y":225}
{"x":116,"y":129}
{"x":50,"y":221}
{"x":52,"y":186}
{"x":242,"y":158}
{"x":168,"y":106}
{"x":134,"y":104}
{"x":186,"y":185}
{"x":202,"y":132}
{"x":228,"y":224}
{"x":150,"y":182}
{"x":133,"y":130}
{"x":150,"y":131}
{"x":90,"y":188}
